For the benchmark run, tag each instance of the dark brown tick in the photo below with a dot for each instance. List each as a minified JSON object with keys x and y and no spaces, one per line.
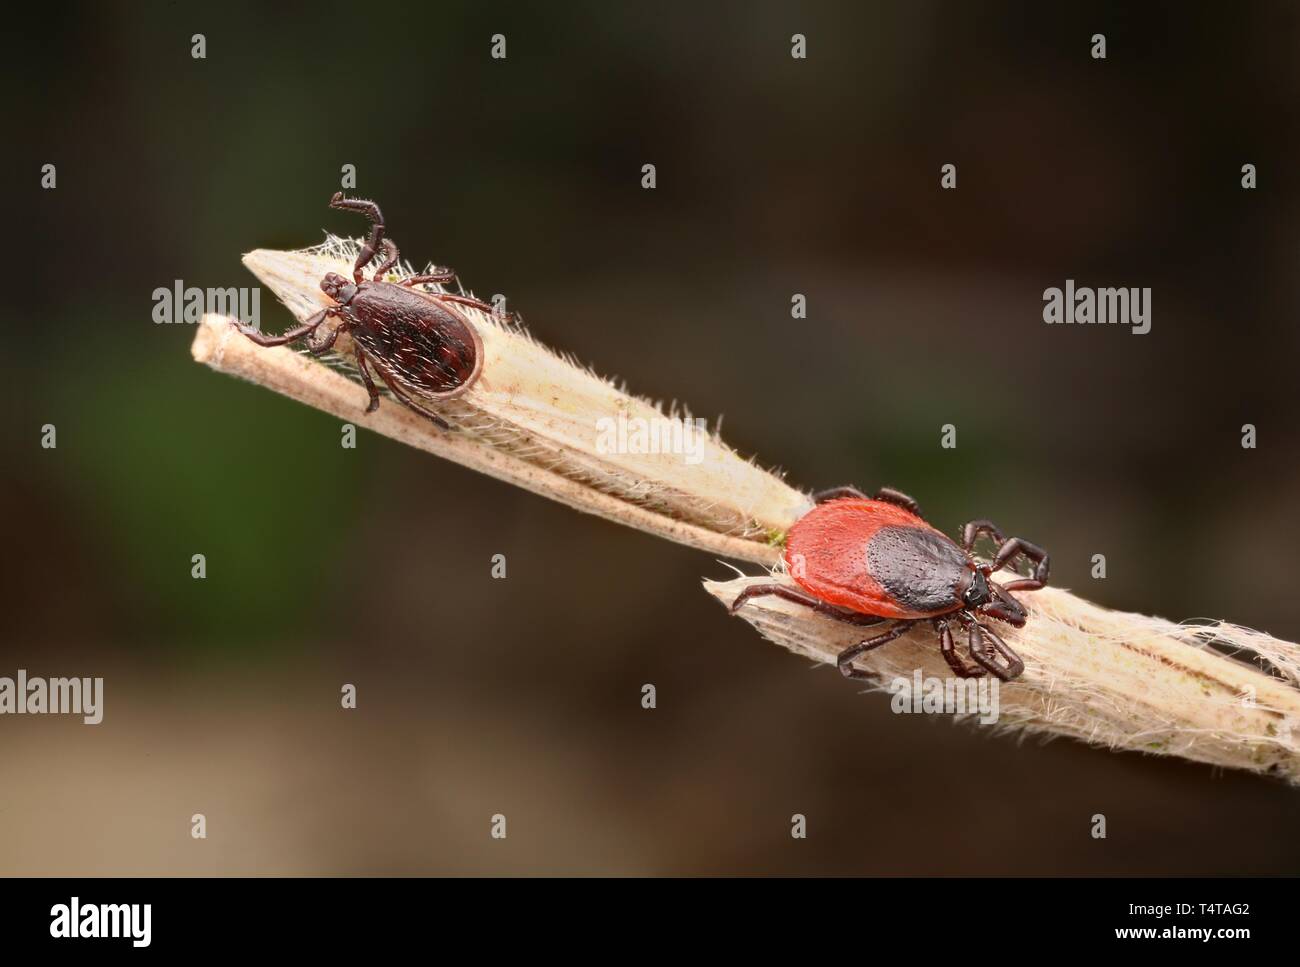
{"x":421,"y":347}
{"x":865,"y":560}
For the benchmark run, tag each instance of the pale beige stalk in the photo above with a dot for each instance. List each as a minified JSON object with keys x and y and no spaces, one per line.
{"x":532,"y":418}
{"x":1123,"y":681}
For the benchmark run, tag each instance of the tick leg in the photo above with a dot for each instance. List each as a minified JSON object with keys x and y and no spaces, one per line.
{"x":328,"y":342}
{"x":891,"y":496}
{"x":438,"y":277}
{"x":443,"y":277}
{"x":1009,"y":668}
{"x":1004,"y":606}
{"x":1034,"y":554}
{"x":837,"y":493}
{"x":390,"y":259}
{"x":373,"y":243}
{"x":325,"y":345}
{"x":306,"y":328}
{"x":844,"y":661}
{"x":971,"y":532}
{"x":370,"y":383}
{"x":465,"y":300}
{"x":949,"y":651}
{"x":397,"y":391}
{"x":799,"y":596}
{"x":888,"y":494}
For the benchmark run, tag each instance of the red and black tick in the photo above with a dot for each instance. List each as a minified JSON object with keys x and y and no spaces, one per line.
{"x":421,"y":346}
{"x":866,"y":560}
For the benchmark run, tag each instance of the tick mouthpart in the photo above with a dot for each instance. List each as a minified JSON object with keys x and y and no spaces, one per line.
{"x":338,"y":288}
{"x":1005,"y":608}
{"x":974,"y":589}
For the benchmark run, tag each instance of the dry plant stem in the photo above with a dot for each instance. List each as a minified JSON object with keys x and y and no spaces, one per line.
{"x":1123,"y":681}
{"x":220,"y":346}
{"x":532,"y":418}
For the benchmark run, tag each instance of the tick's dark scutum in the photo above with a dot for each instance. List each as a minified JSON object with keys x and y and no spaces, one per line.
{"x":920,"y":568}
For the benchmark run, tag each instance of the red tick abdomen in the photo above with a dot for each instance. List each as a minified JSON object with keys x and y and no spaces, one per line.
{"x":826,"y":552}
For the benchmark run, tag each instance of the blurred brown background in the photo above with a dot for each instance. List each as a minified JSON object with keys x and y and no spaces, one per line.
{"x":776,"y":176}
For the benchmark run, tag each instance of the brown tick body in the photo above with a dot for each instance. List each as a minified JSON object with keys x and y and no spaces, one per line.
{"x":421,"y":347}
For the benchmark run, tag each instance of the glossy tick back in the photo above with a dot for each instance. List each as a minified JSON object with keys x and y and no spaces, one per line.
{"x":420,"y":345}
{"x":866,"y":560}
